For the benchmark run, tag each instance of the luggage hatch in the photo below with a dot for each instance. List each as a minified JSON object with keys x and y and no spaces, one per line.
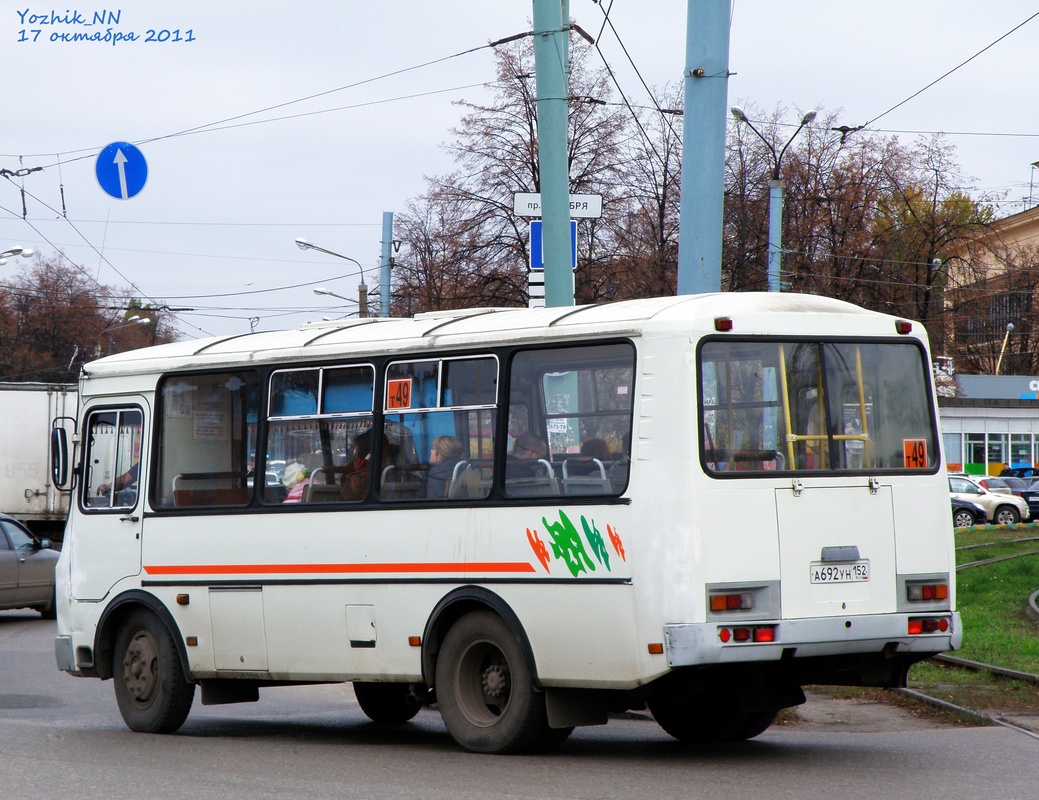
{"x":836,"y":550}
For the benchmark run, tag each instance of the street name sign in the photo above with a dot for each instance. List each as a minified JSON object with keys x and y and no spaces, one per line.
{"x":587,"y":206}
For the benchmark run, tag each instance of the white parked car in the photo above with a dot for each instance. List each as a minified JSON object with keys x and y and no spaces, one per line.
{"x":1002,"y":509}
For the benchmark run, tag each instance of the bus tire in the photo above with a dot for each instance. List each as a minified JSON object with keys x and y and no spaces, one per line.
{"x":756,"y":724}
{"x":485,"y":689}
{"x":150,"y":687}
{"x":701,"y":721}
{"x":386,"y":703}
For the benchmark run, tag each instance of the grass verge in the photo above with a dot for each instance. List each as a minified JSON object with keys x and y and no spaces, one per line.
{"x":992,"y":600}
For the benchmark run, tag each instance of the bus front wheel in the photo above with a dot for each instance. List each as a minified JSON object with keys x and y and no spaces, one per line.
{"x":485,"y":689}
{"x":150,"y":687}
{"x":386,"y":703}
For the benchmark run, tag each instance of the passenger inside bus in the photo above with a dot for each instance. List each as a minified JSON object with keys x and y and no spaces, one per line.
{"x":443,"y":457}
{"x":523,"y":461}
{"x":595,"y":456}
{"x":355,"y":477}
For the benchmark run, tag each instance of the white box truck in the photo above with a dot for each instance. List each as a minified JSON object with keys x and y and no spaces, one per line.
{"x":27,"y":413}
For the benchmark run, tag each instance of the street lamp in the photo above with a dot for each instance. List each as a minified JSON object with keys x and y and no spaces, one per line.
{"x":1003,"y":349}
{"x":362,"y":288}
{"x":775,"y":195}
{"x":24,"y":252}
{"x":1031,"y":182}
{"x":134,"y":320}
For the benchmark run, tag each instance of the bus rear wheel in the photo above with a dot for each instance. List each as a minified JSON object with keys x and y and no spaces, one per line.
{"x":486,"y":692}
{"x":150,"y":686}
{"x":386,"y":703}
{"x":707,"y":722}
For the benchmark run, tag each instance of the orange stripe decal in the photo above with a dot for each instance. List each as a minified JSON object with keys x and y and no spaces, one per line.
{"x":485,"y":567}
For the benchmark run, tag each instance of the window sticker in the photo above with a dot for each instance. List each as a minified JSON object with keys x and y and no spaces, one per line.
{"x":398,"y":393}
{"x":915,"y":453}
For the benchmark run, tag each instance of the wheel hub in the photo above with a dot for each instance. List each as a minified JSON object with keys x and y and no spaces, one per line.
{"x":140,"y":668}
{"x":495,"y":681}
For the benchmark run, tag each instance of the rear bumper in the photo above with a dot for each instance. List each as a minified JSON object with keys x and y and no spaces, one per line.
{"x":697,"y":644}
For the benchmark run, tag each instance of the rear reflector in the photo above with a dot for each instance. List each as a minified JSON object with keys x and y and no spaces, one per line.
{"x":722,"y":324}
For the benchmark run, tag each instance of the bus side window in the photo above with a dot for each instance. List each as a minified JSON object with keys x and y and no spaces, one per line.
{"x":440,"y":422}
{"x":207,"y":439}
{"x":578,"y":401}
{"x":113,"y":459}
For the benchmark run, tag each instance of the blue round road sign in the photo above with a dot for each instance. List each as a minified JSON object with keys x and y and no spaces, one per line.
{"x":121,"y":170}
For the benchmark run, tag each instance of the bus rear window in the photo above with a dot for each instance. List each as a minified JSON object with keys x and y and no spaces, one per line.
{"x":768,"y":406}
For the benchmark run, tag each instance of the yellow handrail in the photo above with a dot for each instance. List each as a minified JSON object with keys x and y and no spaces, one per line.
{"x":791,"y":437}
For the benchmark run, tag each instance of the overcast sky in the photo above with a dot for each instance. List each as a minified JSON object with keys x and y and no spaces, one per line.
{"x":214,"y":227}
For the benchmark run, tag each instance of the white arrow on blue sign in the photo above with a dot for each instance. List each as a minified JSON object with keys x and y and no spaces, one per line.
{"x":537,"y":246}
{"x":121,"y":170}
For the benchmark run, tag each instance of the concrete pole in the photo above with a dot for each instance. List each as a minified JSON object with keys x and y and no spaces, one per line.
{"x":703,"y":147}
{"x":384,"y":273}
{"x":552,"y":65}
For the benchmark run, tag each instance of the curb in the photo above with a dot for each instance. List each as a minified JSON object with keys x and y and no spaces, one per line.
{"x":1025,"y":526}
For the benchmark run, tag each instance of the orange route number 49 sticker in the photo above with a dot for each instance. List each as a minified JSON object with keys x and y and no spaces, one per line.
{"x":398,"y":393}
{"x":915,"y":453}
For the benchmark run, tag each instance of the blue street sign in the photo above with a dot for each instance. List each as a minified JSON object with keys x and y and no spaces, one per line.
{"x":121,"y":170}
{"x":537,"y":247}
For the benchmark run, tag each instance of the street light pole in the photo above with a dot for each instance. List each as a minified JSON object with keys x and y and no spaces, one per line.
{"x":321,"y":290}
{"x":1003,"y":349}
{"x":134,"y":320}
{"x":775,"y":196}
{"x":362,"y":288}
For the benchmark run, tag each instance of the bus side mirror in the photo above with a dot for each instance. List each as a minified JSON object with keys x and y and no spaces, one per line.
{"x":59,"y":457}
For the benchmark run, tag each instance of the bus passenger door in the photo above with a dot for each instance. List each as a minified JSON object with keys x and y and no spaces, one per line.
{"x":105,"y":544}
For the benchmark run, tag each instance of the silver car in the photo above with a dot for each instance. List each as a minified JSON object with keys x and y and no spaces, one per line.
{"x":1002,"y":509}
{"x":26,"y":569}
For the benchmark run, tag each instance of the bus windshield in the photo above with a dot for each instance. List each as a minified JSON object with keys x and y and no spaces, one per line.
{"x":794,"y":406}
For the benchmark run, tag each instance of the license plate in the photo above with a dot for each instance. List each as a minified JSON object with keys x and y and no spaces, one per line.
{"x":847,"y":572}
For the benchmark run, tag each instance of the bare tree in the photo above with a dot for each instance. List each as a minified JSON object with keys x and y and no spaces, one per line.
{"x":53,"y":317}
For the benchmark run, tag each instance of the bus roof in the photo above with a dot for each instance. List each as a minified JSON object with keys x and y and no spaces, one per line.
{"x":760,"y":313}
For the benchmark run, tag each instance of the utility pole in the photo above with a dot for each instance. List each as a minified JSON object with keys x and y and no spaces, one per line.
{"x":387,"y":259}
{"x":362,"y":298}
{"x":703,"y":147}
{"x":552,"y":65}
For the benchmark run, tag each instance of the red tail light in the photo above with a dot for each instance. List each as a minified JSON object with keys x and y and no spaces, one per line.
{"x":920,"y":625}
{"x":762,"y":634}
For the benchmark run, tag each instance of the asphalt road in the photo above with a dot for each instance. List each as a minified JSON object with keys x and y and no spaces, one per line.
{"x":62,"y":737}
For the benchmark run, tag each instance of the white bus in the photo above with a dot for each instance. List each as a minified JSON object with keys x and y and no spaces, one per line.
{"x":531,"y":518}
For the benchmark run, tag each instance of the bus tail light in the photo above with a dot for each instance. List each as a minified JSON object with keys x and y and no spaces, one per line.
{"x":927,"y":591}
{"x":920,"y":625}
{"x":757,"y":633}
{"x":736,"y":601}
